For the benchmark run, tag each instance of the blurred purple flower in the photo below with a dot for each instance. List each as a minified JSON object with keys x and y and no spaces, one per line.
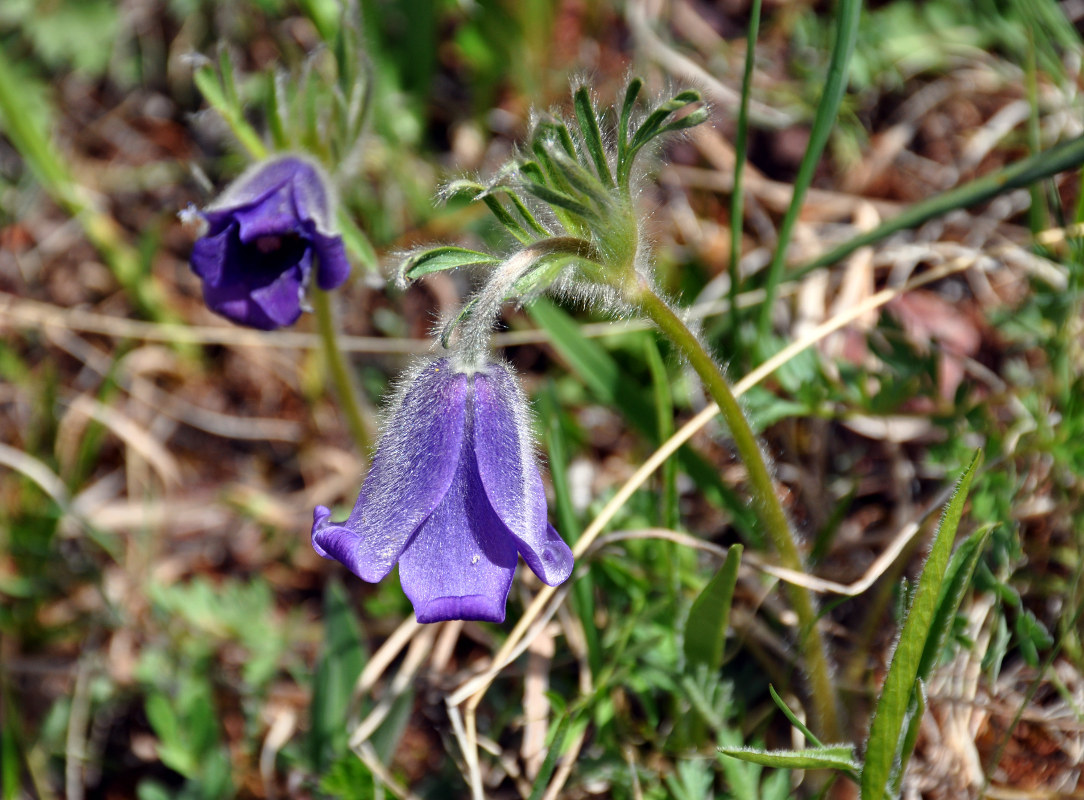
{"x":262,"y":235}
{"x":454,"y":495}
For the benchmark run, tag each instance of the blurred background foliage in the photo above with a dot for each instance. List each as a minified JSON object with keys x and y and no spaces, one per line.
{"x":166,"y":630}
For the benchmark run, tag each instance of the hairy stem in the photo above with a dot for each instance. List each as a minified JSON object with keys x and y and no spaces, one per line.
{"x":768,"y":508}
{"x":349,"y":393}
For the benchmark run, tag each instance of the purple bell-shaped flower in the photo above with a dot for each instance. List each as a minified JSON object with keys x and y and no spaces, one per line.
{"x":454,"y":495}
{"x":265,"y":236}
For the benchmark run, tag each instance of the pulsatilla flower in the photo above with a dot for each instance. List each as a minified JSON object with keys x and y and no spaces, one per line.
{"x":264,"y":238}
{"x":454,"y":495}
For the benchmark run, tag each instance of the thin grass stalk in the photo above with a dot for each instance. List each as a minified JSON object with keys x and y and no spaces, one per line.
{"x":1065,"y":156}
{"x":847,"y":16}
{"x":737,"y":200}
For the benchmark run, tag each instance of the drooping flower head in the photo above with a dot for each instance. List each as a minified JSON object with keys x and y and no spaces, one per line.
{"x":454,"y":495}
{"x":265,"y":236}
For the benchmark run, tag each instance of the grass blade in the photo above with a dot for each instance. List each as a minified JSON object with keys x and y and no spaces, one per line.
{"x":847,"y":14}
{"x":737,"y":200}
{"x":901,"y":682}
{"x":1065,"y":156}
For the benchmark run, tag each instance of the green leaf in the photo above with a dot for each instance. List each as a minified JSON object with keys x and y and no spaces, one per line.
{"x":653,"y":126}
{"x":902,"y":680}
{"x":797,"y":723}
{"x":348,"y":779}
{"x":705,"y":630}
{"x":840,"y":756}
{"x":557,"y":744}
{"x":507,"y":220}
{"x":341,"y":659}
{"x":592,"y":136}
{"x":631,"y":94}
{"x":958,"y":577}
{"x":442,"y":258}
{"x":559,"y":199}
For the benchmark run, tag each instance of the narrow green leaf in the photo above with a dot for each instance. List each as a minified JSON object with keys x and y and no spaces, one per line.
{"x":900,"y":684}
{"x":690,"y":120}
{"x":835,"y":85}
{"x":1065,"y":156}
{"x":275,"y":109}
{"x":592,"y":136}
{"x":797,"y":723}
{"x":555,"y":131}
{"x":631,"y":94}
{"x":557,"y":744}
{"x":210,"y":86}
{"x":910,"y":736}
{"x":709,"y":617}
{"x":338,"y":666}
{"x":737,"y":198}
{"x":652,"y":127}
{"x":226,"y":74}
{"x":560,"y":200}
{"x":442,"y":258}
{"x":507,"y":220}
{"x":839,"y":757}
{"x":961,"y":570}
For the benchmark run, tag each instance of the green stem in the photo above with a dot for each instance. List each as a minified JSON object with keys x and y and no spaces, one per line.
{"x":767,"y":505}
{"x":349,"y":394}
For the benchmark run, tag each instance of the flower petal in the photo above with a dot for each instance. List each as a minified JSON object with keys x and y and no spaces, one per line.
{"x":508,"y":469}
{"x":267,"y":307}
{"x":332,"y":268}
{"x":460,"y":563}
{"x":280,"y":300}
{"x":209,"y":256}
{"x":271,"y":216}
{"x":410,"y":474}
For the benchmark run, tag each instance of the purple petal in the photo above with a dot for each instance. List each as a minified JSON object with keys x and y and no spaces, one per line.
{"x":209,"y":256}
{"x":310,"y":198}
{"x":509,"y":472}
{"x":460,"y":563}
{"x":272,"y":216}
{"x":410,"y":474}
{"x":332,"y":268}
{"x":261,"y":179}
{"x":280,"y":300}
{"x":268,"y":307}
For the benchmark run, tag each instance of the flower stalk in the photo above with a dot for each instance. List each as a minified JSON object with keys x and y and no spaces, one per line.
{"x":641,"y":294}
{"x":349,"y":395}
